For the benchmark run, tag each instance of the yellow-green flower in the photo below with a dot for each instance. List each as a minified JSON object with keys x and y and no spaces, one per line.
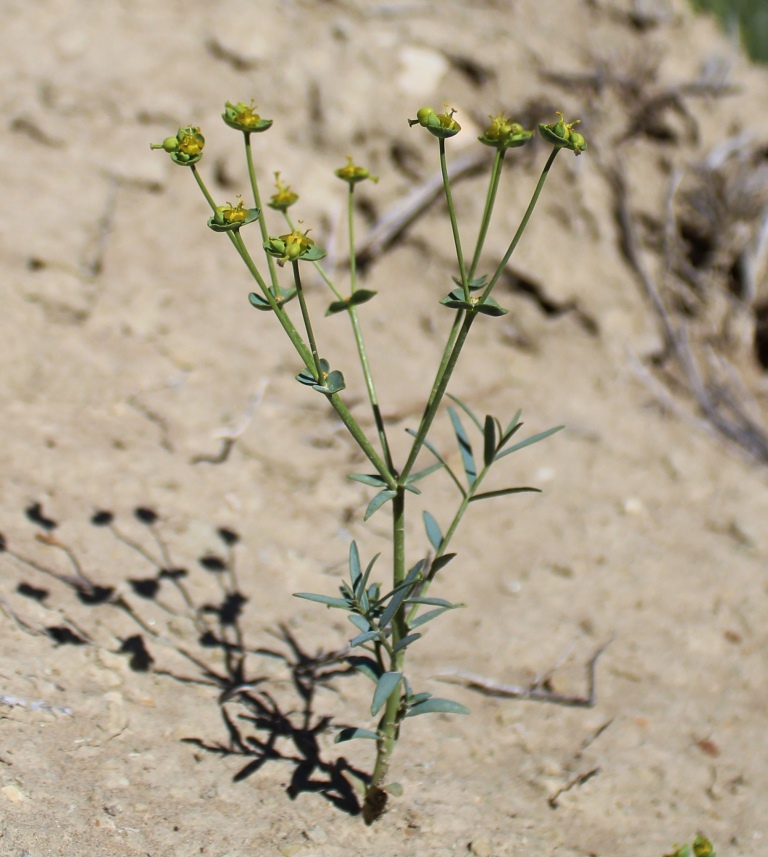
{"x":441,"y":125}
{"x":243,"y":117}
{"x":284,"y":198}
{"x":229,"y":218}
{"x":186,"y":148}
{"x":562,"y":135}
{"x":503,"y":133}
{"x":352,"y":174}
{"x":293,"y":247}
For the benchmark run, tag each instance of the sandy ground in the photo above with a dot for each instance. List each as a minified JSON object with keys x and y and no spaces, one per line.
{"x":127,"y":347}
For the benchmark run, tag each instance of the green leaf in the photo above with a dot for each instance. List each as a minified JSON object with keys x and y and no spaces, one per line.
{"x":434,"y":533}
{"x":417,"y":698}
{"x":514,"y":423}
{"x":437,"y":705}
{"x":378,"y":501}
{"x":395,"y":789}
{"x":489,"y":440}
{"x":467,"y":410}
{"x":362,"y":296}
{"x":503,"y":492}
{"x":360,"y":622}
{"x":323,"y":599}
{"x":439,"y":563}
{"x":465,"y":447}
{"x":531,"y":440}
{"x":388,"y":684}
{"x":507,"y":436}
{"x":351,"y":734}
{"x":363,"y":582}
{"x":400,"y":593}
{"x":412,"y":488}
{"x":420,"y":474}
{"x":334,"y":383}
{"x":429,"y":616}
{"x":367,"y":666}
{"x":440,"y":458}
{"x":313,"y":254}
{"x":474,"y":285}
{"x":434,"y":602}
{"x":363,"y":638}
{"x":372,"y":479}
{"x":490,"y":306}
{"x":354,"y":563}
{"x":336,"y":307}
{"x":405,"y":642}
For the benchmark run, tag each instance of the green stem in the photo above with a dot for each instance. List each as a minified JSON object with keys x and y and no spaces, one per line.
{"x":307,"y":324}
{"x":257,"y":203}
{"x":441,"y":384}
{"x":203,"y":188}
{"x":454,"y":224}
{"x":281,"y":314}
{"x":375,"y":796}
{"x":318,"y":267}
{"x":493,"y":186}
{"x":351,"y":228}
{"x":523,"y":224}
{"x":362,"y":441}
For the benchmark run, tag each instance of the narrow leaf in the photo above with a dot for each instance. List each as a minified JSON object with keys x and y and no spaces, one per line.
{"x":489,"y":440}
{"x":363,"y":582}
{"x":351,"y":734}
{"x":399,"y":595}
{"x":378,"y":501}
{"x":354,"y":563}
{"x":405,"y":642}
{"x":535,"y":439}
{"x":427,"y":617}
{"x":367,"y":666}
{"x":387,"y":685}
{"x":412,"y":488}
{"x":360,"y":622}
{"x":372,"y":479}
{"x":467,"y":410}
{"x":439,"y":563}
{"x":363,"y":638}
{"x":507,"y":436}
{"x":323,"y":599}
{"x":417,"y":698}
{"x":434,"y":533}
{"x":513,"y":422}
{"x":433,"y":602}
{"x":420,"y":474}
{"x":503,"y":492}
{"x":435,"y":705}
{"x":440,"y":458}
{"x":465,"y":447}
{"x":361,"y":296}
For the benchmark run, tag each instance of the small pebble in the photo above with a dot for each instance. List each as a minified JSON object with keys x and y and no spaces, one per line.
{"x":480,"y":848}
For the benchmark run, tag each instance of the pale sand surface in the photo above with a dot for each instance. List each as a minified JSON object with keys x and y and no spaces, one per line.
{"x":127,"y":344}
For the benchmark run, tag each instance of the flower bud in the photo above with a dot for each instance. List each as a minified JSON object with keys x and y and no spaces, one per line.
{"x":243,"y":117}
{"x":293,"y":247}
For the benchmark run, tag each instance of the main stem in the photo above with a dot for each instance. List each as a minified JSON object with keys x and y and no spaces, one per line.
{"x":389,"y":725}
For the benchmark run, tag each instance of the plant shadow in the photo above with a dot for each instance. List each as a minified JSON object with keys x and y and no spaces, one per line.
{"x":259,"y":728}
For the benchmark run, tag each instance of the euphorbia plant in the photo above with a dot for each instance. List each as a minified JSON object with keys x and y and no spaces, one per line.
{"x":389,"y":618}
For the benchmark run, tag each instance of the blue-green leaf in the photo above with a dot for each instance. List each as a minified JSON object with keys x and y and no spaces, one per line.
{"x":378,"y":501}
{"x":434,"y":533}
{"x":412,"y":488}
{"x":439,"y":563}
{"x":360,"y":622}
{"x":437,"y":705}
{"x":363,"y":582}
{"x":363,"y":638}
{"x":372,"y":479}
{"x":420,"y":474}
{"x":367,"y":666}
{"x":323,"y":599}
{"x":433,"y":602}
{"x":465,"y":447}
{"x":429,"y":616}
{"x":405,"y":642}
{"x":351,"y":734}
{"x":388,"y":684}
{"x":440,"y":458}
{"x":535,"y":439}
{"x":514,"y":422}
{"x":503,"y":492}
{"x":467,"y":410}
{"x":507,"y":436}
{"x":354,"y":564}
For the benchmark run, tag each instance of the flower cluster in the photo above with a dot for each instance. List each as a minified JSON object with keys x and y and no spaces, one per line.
{"x":284,"y":198}
{"x":243,"y":117}
{"x":504,"y":134}
{"x":441,"y":125}
{"x":293,"y":247}
{"x":352,"y":174}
